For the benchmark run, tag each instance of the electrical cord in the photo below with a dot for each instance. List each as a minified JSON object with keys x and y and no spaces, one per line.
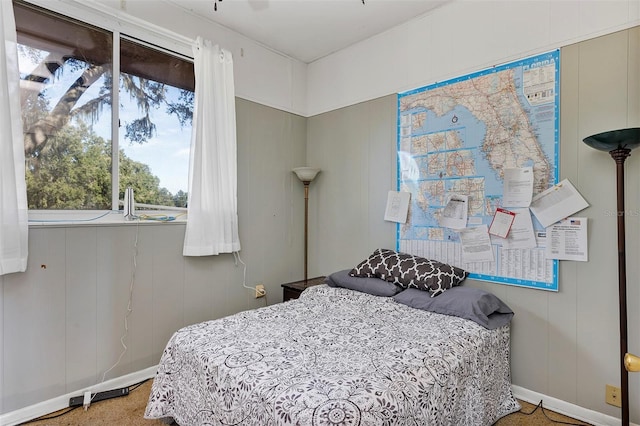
{"x":549,"y":418}
{"x":70,"y":409}
{"x":129,"y":307}
{"x":137,"y":385}
{"x":236,"y":256}
{"x":37,"y":419}
{"x":150,"y":217}
{"x":159,"y":217}
{"x":91,"y":219}
{"x":126,"y":331}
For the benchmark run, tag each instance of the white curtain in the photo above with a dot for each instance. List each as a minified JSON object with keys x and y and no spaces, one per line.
{"x":212,"y":210}
{"x":14,"y":221}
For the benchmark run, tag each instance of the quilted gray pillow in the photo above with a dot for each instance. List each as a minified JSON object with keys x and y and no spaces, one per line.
{"x":470,"y":303}
{"x":410,"y":271}
{"x":370,"y":285}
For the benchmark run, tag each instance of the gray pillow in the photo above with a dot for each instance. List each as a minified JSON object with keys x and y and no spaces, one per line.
{"x":470,"y":303}
{"x":370,"y":285}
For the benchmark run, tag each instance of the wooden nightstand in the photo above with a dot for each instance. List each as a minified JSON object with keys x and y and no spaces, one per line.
{"x":292,"y":290}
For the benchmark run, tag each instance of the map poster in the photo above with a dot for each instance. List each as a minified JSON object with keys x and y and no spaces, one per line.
{"x":458,"y":137}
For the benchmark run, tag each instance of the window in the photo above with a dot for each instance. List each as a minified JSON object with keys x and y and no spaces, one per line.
{"x":67,"y":94}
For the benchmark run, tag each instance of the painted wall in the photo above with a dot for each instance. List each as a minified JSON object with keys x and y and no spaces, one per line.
{"x":61,"y":325}
{"x":461,"y":37}
{"x":63,"y":319}
{"x":564,"y":344}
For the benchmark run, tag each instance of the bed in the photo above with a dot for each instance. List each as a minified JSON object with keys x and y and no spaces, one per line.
{"x":336,"y":356}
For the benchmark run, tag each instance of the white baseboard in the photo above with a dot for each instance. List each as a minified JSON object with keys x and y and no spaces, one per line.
{"x":60,"y":402}
{"x":559,"y":406}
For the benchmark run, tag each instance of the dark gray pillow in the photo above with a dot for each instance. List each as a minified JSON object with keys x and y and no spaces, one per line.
{"x":411,"y":271}
{"x":375,"y":265}
{"x":470,"y":303}
{"x":370,"y":285}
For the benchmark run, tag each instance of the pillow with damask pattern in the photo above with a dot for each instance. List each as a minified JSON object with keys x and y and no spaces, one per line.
{"x":410,"y":271}
{"x":374,"y":266}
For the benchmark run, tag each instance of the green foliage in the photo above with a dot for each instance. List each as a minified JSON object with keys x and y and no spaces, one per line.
{"x":73,"y":172}
{"x":183,"y":109}
{"x":68,"y":165}
{"x":145,"y":185}
{"x":147,"y":94}
{"x":180,"y":199}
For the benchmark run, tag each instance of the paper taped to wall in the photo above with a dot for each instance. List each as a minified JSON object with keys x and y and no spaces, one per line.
{"x":397,"y":206}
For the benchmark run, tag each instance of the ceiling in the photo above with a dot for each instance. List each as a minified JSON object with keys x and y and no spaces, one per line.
{"x":307,"y":30}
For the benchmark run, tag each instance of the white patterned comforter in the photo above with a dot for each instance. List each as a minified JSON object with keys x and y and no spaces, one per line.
{"x":334,"y":357}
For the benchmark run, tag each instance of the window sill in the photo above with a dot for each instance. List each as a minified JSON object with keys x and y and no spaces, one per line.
{"x":63,"y":218}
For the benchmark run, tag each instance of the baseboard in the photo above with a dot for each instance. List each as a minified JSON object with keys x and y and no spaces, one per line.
{"x":27,"y":413}
{"x":60,"y":402}
{"x":559,"y":406}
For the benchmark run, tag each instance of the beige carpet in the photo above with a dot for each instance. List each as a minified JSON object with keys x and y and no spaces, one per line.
{"x":128,"y":410}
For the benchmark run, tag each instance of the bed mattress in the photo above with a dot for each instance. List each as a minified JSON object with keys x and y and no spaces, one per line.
{"x":334,"y":357}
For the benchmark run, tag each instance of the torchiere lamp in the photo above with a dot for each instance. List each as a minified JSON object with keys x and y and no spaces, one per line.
{"x":306,"y":175}
{"x":619,"y":143}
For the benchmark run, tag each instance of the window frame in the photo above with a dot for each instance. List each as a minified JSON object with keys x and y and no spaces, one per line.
{"x":137,"y":31}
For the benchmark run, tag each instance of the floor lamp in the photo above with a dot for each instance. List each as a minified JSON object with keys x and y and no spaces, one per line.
{"x":619,"y":143}
{"x":306,"y":175}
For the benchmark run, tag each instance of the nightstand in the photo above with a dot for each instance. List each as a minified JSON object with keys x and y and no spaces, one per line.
{"x":292,"y":290}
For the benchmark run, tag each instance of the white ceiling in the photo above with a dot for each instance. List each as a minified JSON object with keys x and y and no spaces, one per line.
{"x":309,"y":29}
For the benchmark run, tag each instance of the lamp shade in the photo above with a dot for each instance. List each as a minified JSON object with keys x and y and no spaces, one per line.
{"x":306,"y":174}
{"x":614,"y":139}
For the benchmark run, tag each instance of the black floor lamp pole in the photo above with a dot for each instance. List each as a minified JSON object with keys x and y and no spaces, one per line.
{"x":620,"y":155}
{"x":619,"y":144}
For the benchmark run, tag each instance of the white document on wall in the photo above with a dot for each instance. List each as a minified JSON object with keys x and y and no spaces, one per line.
{"x":567,"y":240}
{"x":397,"y":206}
{"x":521,"y":235}
{"x":518,"y":187}
{"x":454,"y":214}
{"x":556,"y":203}
{"x":476,"y":244}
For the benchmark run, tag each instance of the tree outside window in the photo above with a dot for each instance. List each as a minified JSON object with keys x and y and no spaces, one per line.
{"x":66,"y":95}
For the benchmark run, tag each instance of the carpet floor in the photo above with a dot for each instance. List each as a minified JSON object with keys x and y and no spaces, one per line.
{"x":129,"y":411}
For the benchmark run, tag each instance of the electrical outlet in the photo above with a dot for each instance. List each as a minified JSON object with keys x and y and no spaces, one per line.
{"x":260,"y":291}
{"x":612,"y":396}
